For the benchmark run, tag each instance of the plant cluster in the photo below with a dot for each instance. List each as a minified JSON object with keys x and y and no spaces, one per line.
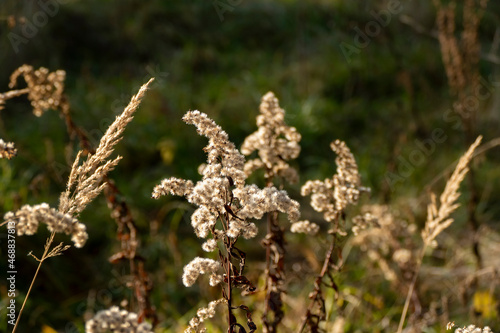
{"x":230,"y":211}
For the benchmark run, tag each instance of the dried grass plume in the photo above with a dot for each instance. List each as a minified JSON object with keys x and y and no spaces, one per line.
{"x":85,"y":181}
{"x":438,"y":218}
{"x":84,"y":184}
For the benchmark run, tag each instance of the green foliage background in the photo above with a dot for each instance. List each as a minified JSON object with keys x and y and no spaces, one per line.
{"x":391,"y":94}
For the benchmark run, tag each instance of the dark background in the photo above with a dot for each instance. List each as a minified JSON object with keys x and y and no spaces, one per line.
{"x":383,"y":101}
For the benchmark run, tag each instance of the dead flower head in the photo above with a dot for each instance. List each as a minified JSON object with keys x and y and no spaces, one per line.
{"x":45,"y":88}
{"x":221,"y":195}
{"x":473,"y":329}
{"x":116,"y":320}
{"x":332,"y":196}
{"x":274,"y":141}
{"x":28,"y":218}
{"x":222,"y":190}
{"x":7,"y":149}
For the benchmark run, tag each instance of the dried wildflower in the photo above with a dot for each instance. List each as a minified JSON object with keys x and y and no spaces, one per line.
{"x":390,"y":245}
{"x":7,"y":149}
{"x":274,"y":141}
{"x":222,"y":196}
{"x":219,"y":146}
{"x":85,"y":181}
{"x":28,"y":218}
{"x":246,"y":229}
{"x":45,"y":89}
{"x":256,"y":202}
{"x":210,"y":245}
{"x":332,"y":196}
{"x":305,"y":227}
{"x":115,"y":320}
{"x":173,"y":186}
{"x":438,"y":218}
{"x":222,"y":189}
{"x":363,"y":221}
{"x":473,"y":329}
{"x":347,"y":180}
{"x":201,"y":315}
{"x":203,"y":221}
{"x":201,"y":266}
{"x":402,"y":256}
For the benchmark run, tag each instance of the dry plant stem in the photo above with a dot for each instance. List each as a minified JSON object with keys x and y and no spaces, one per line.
{"x":275,"y":143}
{"x":73,"y":129}
{"x":268,"y":271}
{"x":230,"y":316}
{"x":40,"y":262}
{"x":412,"y":287}
{"x":233,"y":276}
{"x":318,"y":282}
{"x":13,"y":93}
{"x":274,"y":273}
{"x":127,"y":235}
{"x":229,"y":273}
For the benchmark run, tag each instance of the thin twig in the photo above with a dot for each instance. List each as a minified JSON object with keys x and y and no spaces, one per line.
{"x":410,"y":290}
{"x":40,"y":262}
{"x":318,"y":282}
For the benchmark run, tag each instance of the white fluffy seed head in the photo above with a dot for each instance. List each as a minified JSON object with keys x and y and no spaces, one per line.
{"x":29,"y":217}
{"x":201,"y":266}
{"x":116,"y":320}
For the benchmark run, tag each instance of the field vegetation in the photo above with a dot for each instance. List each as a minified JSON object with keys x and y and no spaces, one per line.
{"x":237,"y":166}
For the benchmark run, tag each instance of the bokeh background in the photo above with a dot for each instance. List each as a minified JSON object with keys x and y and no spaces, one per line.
{"x":221,"y":57}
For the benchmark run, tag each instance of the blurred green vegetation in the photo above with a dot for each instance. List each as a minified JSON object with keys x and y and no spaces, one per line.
{"x":391,"y":94}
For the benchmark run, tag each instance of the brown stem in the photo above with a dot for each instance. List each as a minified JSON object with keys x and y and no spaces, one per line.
{"x":127,"y":235}
{"x":267,"y":327}
{"x":317,"y":283}
{"x":230,"y":317}
{"x":274,"y":273}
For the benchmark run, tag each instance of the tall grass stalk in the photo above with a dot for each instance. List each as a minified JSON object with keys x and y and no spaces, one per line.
{"x":84,"y":184}
{"x":438,"y":218}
